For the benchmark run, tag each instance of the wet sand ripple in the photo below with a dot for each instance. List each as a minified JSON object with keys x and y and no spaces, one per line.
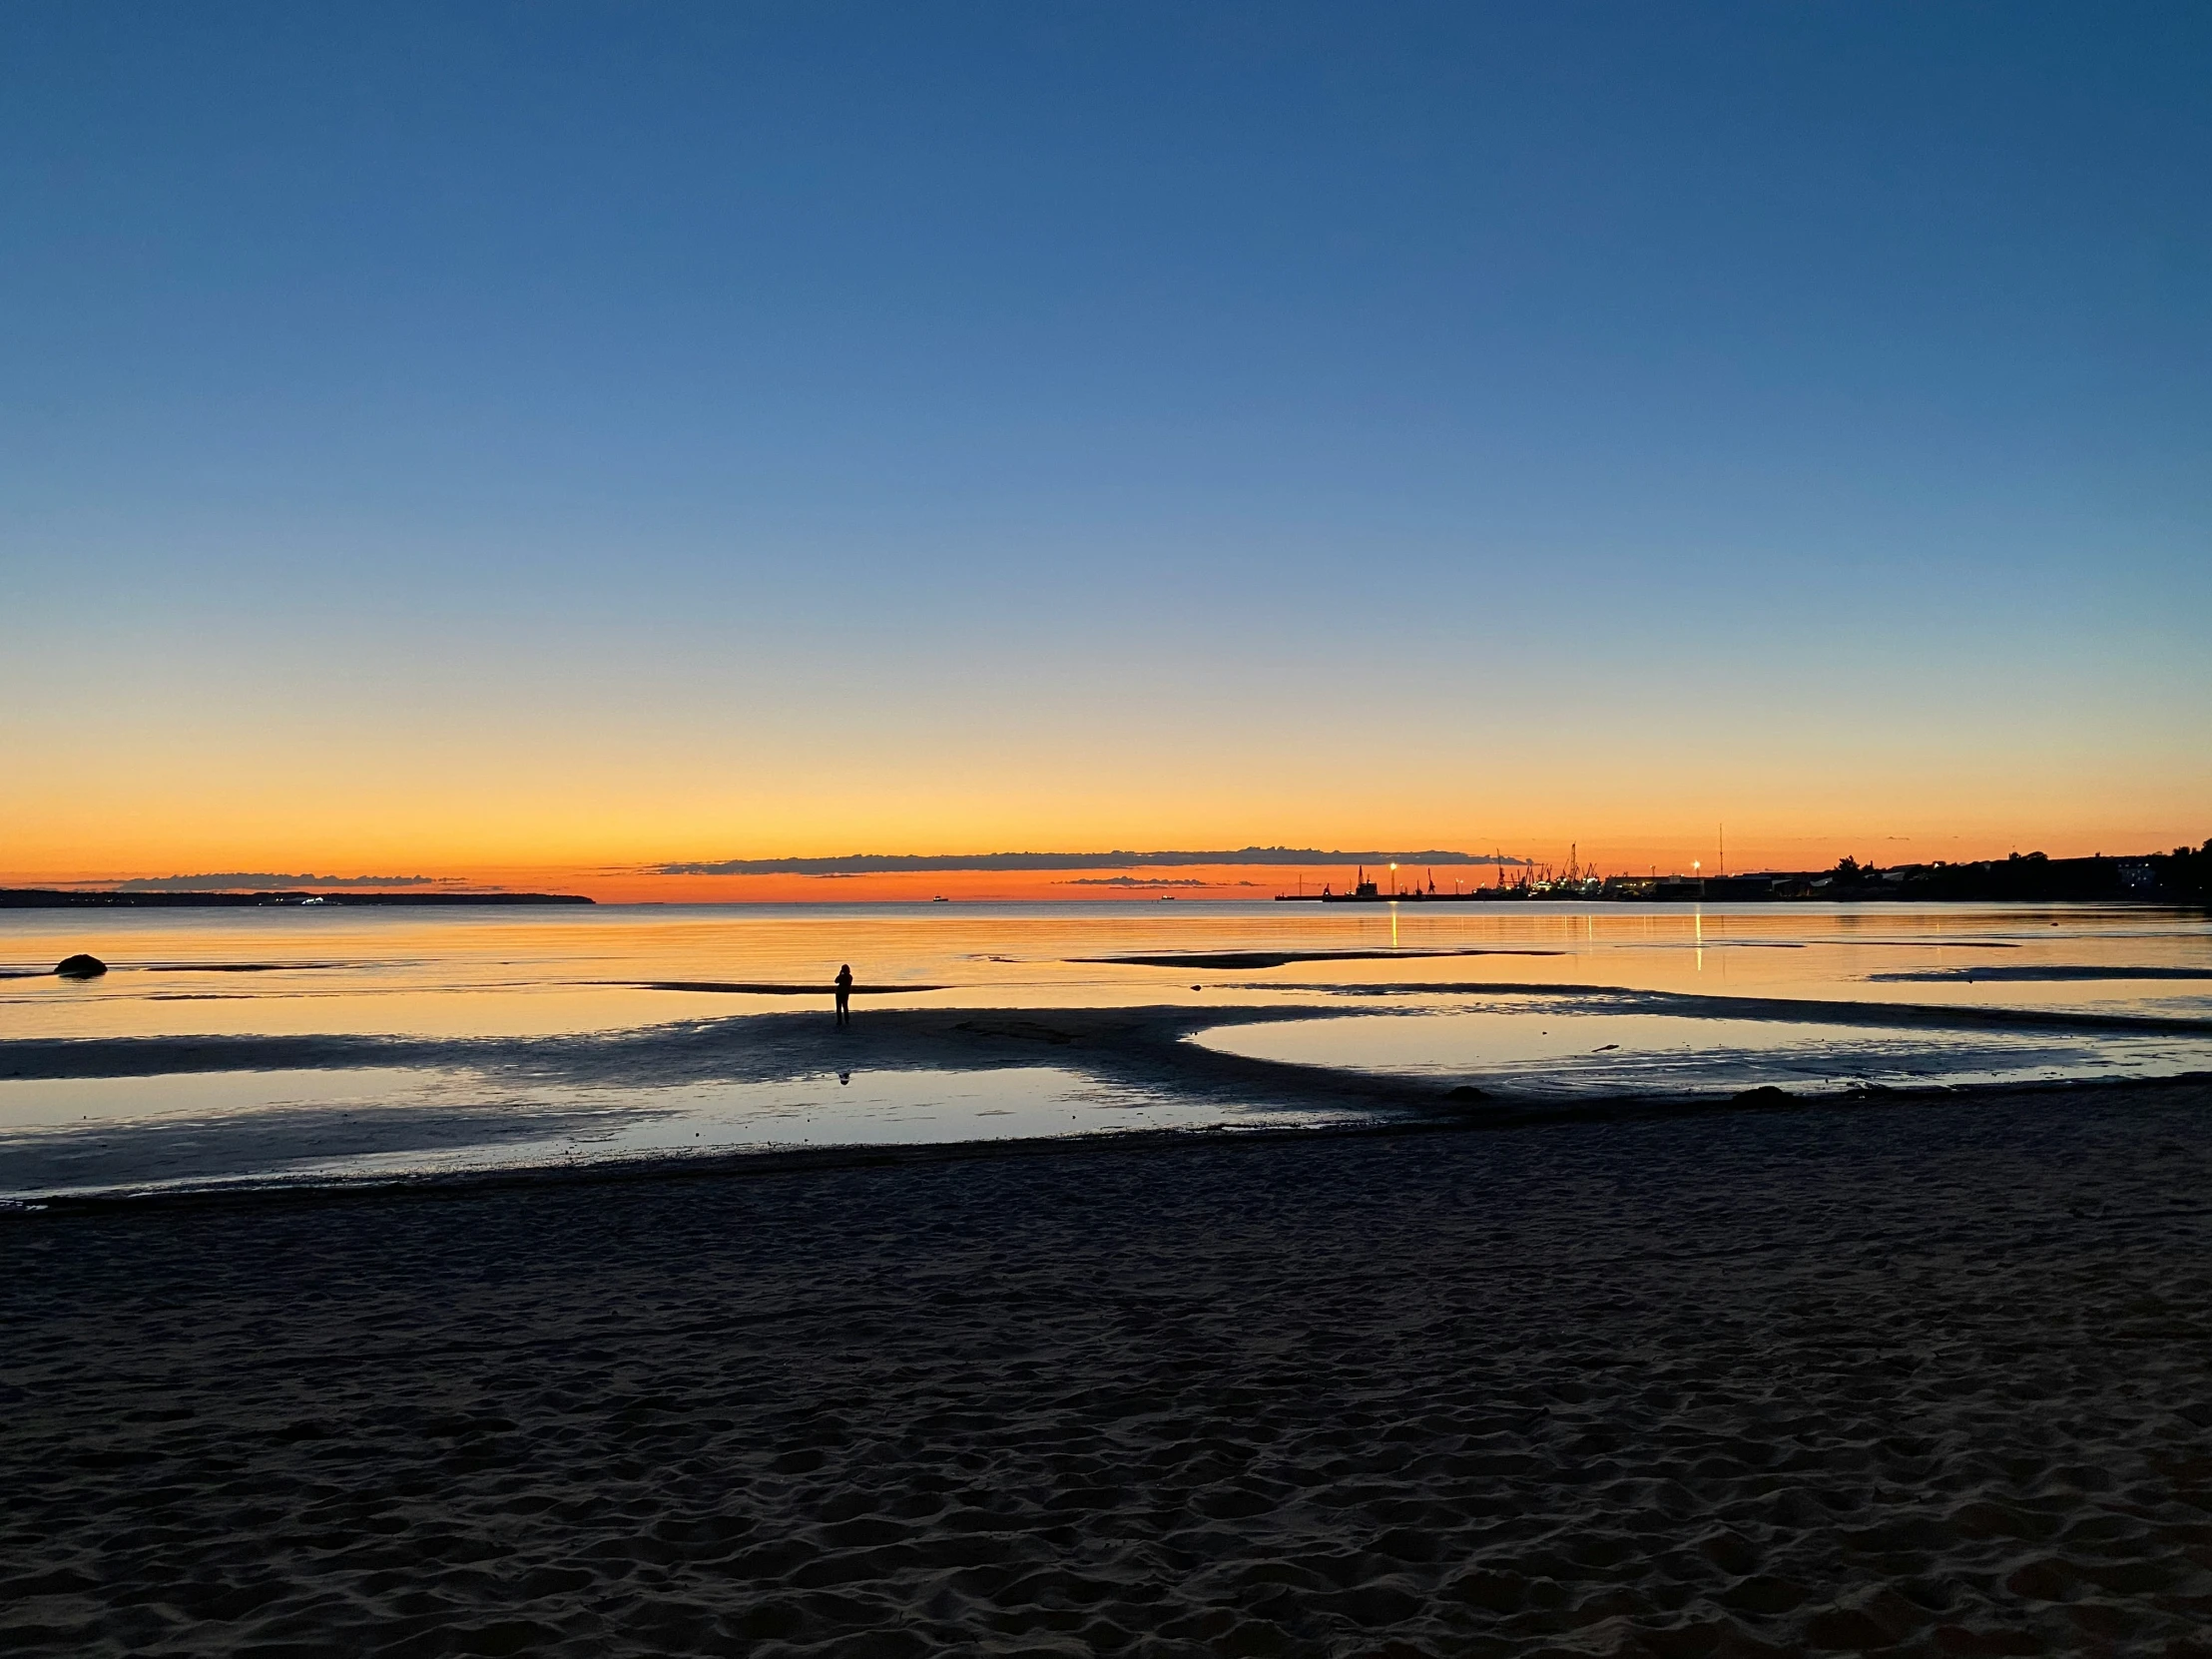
{"x":1931,"y":1379}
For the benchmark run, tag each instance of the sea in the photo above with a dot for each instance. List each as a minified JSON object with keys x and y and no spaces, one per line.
{"x":332,"y":1043}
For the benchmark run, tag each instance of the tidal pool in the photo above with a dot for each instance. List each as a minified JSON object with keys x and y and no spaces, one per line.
{"x":1547,"y":1046}
{"x":178,"y":1131}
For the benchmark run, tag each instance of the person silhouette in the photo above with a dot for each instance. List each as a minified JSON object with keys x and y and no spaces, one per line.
{"x":844,"y":992}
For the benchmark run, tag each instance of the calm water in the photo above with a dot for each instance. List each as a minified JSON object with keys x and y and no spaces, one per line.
{"x":1591,"y":1047}
{"x":1514,"y":1007}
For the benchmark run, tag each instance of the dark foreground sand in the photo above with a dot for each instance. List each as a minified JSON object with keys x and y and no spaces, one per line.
{"x":1931,"y":1377}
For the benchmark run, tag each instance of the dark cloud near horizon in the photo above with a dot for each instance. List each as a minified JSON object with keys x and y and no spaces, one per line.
{"x":872,"y":863}
{"x":266,"y":879}
{"x":1149,"y":882}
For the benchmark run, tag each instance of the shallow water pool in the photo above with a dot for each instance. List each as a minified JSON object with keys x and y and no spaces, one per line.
{"x":190,"y":1130}
{"x":1559,"y":1048}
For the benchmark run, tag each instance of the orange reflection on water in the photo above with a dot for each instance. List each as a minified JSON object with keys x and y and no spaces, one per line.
{"x":543,"y":971}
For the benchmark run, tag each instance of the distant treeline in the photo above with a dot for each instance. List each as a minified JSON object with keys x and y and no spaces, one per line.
{"x":2182,"y":876}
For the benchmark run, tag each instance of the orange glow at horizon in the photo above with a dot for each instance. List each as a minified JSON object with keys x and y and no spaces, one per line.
{"x":585,"y":786}
{"x":615,"y":883}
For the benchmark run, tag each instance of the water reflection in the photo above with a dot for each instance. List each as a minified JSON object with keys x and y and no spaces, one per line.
{"x":217,"y":1128}
{"x":1540,"y":1046}
{"x":520,"y":974}
{"x":1502,"y":1012}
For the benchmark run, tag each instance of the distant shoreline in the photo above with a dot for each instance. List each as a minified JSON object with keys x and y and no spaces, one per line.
{"x":49,"y":898}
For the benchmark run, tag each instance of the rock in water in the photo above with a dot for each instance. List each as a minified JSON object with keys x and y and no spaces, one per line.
{"x":81,"y":968}
{"x":1766,"y":1094}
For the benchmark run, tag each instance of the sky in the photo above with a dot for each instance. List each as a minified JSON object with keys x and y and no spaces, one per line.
{"x":494,"y":440}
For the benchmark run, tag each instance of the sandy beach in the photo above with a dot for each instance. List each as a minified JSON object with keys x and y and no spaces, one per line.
{"x":1929,"y":1375}
{"x":1122,"y":832}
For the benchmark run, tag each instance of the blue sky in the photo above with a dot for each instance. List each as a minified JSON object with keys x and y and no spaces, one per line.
{"x":666,"y":381}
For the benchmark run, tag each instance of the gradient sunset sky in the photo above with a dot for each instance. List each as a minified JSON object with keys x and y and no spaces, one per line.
{"x":485,"y":439}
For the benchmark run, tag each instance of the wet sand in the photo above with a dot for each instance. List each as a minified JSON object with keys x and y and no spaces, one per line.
{"x":1926,"y":1375}
{"x":1139,"y":1045}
